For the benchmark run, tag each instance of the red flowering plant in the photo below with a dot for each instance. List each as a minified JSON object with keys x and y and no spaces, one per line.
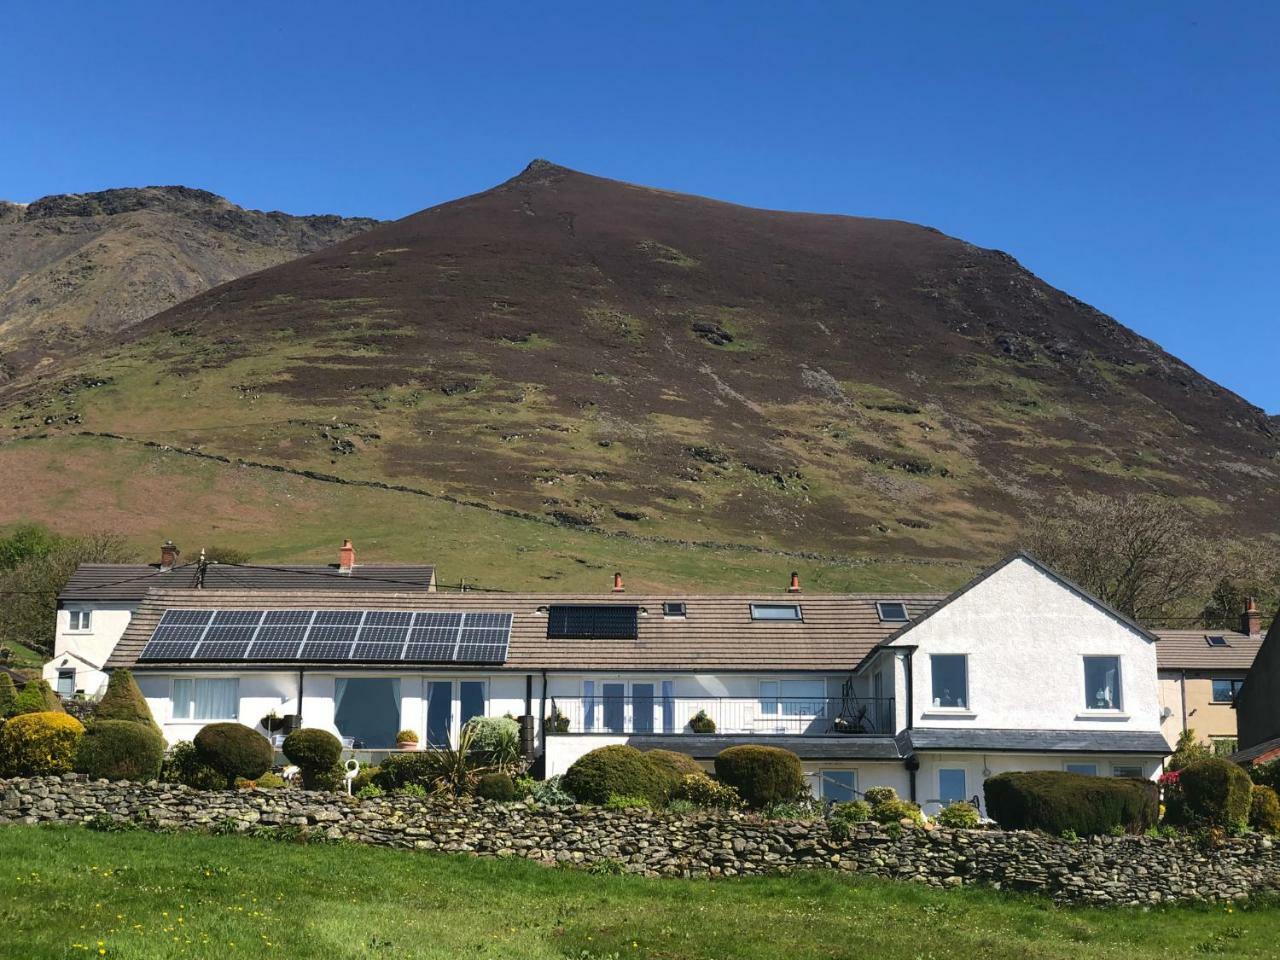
{"x":1171,"y":796}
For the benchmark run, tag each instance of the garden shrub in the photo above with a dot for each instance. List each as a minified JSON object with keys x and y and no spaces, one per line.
{"x":549,"y":792}
{"x":875,"y":795}
{"x":700,"y":722}
{"x":316,"y":754}
{"x":183,"y":765}
{"x":38,"y":744}
{"x":702,"y":791}
{"x":1264,"y":810}
{"x":120,"y":750}
{"x":271,"y":781}
{"x":1056,"y":801}
{"x":367,"y":776}
{"x":618,"y":769}
{"x":498,"y":738}
{"x":761,"y":775}
{"x":496,"y":786}
{"x":806,"y":808}
{"x":38,"y":697}
{"x":895,"y":810}
{"x":960,"y":815}
{"x":234,"y":750}
{"x":1266,"y":774}
{"x":1188,"y":751}
{"x":842,"y":816}
{"x":678,"y":764}
{"x":8,"y":697}
{"x":401,"y":769}
{"x":1215,"y":792}
{"x":617,"y":801}
{"x":124,"y":701}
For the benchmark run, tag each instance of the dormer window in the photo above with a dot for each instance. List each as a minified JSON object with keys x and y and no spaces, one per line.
{"x":892,"y":611}
{"x":776,"y":611}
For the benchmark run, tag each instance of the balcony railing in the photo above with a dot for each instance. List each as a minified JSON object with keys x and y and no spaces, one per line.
{"x":807,"y":716}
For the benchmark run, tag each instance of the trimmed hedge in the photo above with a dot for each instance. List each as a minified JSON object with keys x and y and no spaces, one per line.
{"x":1056,"y":801}
{"x":316,"y":753}
{"x":399,"y":770}
{"x":1215,"y":792}
{"x":38,"y":744}
{"x":38,"y":697}
{"x":1264,"y":810}
{"x":124,"y":701}
{"x":496,"y":786}
{"x":679,"y":764}
{"x":234,"y":750}
{"x":8,"y":696}
{"x":120,"y":750}
{"x":617,"y":770}
{"x":761,"y":775}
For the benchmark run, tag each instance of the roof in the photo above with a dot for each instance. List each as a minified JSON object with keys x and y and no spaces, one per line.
{"x":130,"y":582}
{"x":806,"y":748}
{"x":1189,"y":650}
{"x":1033,"y":741}
{"x":717,"y":632}
{"x":1263,"y":752}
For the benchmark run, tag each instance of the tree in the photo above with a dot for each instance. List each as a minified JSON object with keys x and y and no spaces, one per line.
{"x":8,"y":697}
{"x":1189,"y":750}
{"x":30,"y":588}
{"x":124,"y":701}
{"x":1140,"y":554}
{"x":27,"y":542}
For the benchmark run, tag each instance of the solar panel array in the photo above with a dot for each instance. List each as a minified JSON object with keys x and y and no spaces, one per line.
{"x":602,"y":621}
{"x":338,"y":636}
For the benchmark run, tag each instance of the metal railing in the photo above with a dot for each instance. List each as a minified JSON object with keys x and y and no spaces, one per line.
{"x":808,"y":716}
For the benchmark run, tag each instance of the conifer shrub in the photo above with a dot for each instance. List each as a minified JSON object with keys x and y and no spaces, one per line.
{"x":124,"y":701}
{"x":617,"y":770}
{"x":496,"y":786}
{"x":1215,"y":793}
{"x":316,"y":753}
{"x":120,"y":750}
{"x":39,"y":744}
{"x":1264,"y":810}
{"x":761,"y":775}
{"x":679,"y":764}
{"x":1058,"y":802}
{"x":234,"y":750}
{"x":38,"y":697}
{"x":8,"y":697}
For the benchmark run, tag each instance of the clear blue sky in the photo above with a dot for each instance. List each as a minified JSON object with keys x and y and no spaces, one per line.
{"x":1127,"y":152}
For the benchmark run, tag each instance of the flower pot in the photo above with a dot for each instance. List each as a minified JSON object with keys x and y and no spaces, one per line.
{"x":407,"y":745}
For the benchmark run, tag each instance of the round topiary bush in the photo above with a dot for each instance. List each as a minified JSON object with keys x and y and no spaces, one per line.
{"x":875,"y":795}
{"x":617,"y":770}
{"x":39,"y":744}
{"x":679,"y":764}
{"x":496,"y":786}
{"x":1215,"y":792}
{"x":1057,"y":802}
{"x":124,"y":701}
{"x":761,"y":775}
{"x":1264,"y":810}
{"x":120,"y":750}
{"x":316,"y":753}
{"x":234,"y":750}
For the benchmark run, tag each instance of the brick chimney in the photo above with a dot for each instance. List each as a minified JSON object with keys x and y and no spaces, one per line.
{"x":617,"y":584}
{"x":795,"y":583}
{"x":1251,"y":619}
{"x":169,"y":554}
{"x":346,"y":556}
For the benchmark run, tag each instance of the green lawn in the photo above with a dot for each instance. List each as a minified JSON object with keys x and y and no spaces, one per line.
{"x":68,"y":892}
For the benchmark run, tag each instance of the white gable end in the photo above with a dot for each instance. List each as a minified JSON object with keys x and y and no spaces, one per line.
{"x":1025,"y":637}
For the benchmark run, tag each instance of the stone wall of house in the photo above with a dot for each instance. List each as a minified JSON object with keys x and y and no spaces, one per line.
{"x":1111,"y":870}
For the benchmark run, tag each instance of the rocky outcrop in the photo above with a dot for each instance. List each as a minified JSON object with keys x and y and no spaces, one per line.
{"x":1102,"y":870}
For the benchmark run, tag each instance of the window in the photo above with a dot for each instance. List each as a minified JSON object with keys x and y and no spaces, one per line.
{"x":1216,"y":641}
{"x":1225,"y":691}
{"x":1127,"y":770}
{"x":1088,"y":769}
{"x":673,"y":608}
{"x":66,"y":683}
{"x":206,"y":699}
{"x":1102,"y":683}
{"x":950,"y":680}
{"x":80,"y":620}
{"x":892,"y":611}
{"x":838,"y":786}
{"x":793,"y":698}
{"x":1224,"y":746}
{"x":775,"y":611}
{"x":951,"y":785}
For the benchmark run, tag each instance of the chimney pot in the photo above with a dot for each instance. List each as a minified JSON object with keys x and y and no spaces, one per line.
{"x":1251,"y":620}
{"x":617,"y":583}
{"x":169,"y":554}
{"x":346,"y":556}
{"x":795,"y":583}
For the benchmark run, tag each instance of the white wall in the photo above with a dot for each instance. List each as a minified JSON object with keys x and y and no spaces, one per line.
{"x":85,"y":651}
{"x":1025,"y":636}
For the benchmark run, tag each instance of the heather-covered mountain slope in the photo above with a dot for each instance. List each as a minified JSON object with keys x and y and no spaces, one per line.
{"x":585,"y":352}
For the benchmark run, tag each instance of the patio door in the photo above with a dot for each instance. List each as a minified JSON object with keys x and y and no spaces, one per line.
{"x":439,"y":712}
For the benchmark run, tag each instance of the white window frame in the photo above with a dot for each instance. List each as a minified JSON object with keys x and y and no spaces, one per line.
{"x":1068,"y":764}
{"x":173,"y":699}
{"x":968,"y":702}
{"x":64,"y":672}
{"x":593,"y":703}
{"x":455,"y":701}
{"x":1118,"y":708}
{"x":881,"y":604}
{"x":79,"y":621}
{"x":1117,"y":768}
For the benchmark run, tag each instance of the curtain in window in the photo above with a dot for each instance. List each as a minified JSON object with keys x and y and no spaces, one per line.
{"x":339,"y":691}
{"x":588,"y":705}
{"x":668,"y":706}
{"x":206,"y":699}
{"x":395,"y":694}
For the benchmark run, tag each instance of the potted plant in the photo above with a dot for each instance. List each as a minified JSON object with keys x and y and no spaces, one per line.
{"x":272,"y":722}
{"x":557,"y":722}
{"x":701,"y":723}
{"x":291,"y":722}
{"x":407,"y":740}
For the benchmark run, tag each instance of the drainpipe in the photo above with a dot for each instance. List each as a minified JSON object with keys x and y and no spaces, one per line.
{"x":528,"y":694}
{"x":912,"y":762}
{"x":300,"y":672}
{"x":542,"y":716}
{"x":1182,"y":689}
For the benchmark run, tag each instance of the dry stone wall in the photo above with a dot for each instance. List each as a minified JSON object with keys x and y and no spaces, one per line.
{"x":1102,"y":870}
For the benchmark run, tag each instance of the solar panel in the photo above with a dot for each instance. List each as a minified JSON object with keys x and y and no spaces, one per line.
{"x":611,"y":621}
{"x":288,"y":616}
{"x":434,"y":618}
{"x":388,"y":618}
{"x":168,"y":650}
{"x":274,"y":650}
{"x":223,"y":617}
{"x":429,"y":652}
{"x":377,"y":651}
{"x":234,"y":632}
{"x":348,"y":618}
{"x":221,"y":650}
{"x":370,"y":634}
{"x":180,"y":617}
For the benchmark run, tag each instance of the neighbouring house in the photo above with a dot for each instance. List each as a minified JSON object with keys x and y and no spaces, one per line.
{"x":1258,"y":704}
{"x":1018,"y":670}
{"x":99,"y":600}
{"x":1201,"y":671}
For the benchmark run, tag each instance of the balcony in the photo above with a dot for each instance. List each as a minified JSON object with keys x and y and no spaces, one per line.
{"x":792,"y":716}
